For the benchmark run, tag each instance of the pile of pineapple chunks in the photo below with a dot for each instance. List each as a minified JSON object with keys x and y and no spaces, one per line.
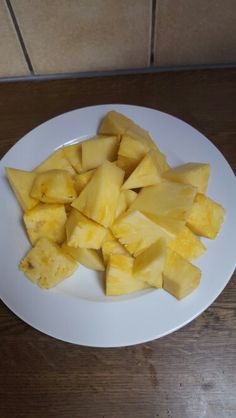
{"x":112,"y":203}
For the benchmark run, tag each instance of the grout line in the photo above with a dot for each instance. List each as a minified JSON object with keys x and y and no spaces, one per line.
{"x":20,"y":37}
{"x":153,"y":27}
{"x":112,"y":73}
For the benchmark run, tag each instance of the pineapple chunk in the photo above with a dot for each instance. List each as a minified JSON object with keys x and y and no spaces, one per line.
{"x":56,"y":160}
{"x":47,"y":264}
{"x":160,"y":160}
{"x":98,"y":200}
{"x":145,"y":174}
{"x":137,"y":232}
{"x":169,"y":199}
{"x":187,"y":245}
{"x":119,"y":276}
{"x":99,"y":149}
{"x":180,"y":277}
{"x":110,"y":246}
{"x":125,"y":199}
{"x":54,"y":186}
{"x":131,"y":148}
{"x":83,"y":232}
{"x":206,"y":216}
{"x":74,"y":156}
{"x":196,"y":174}
{"x":86,"y":256}
{"x":80,"y":180}
{"x":130,"y":196}
{"x":121,"y":205}
{"x":46,"y":220}
{"x":127,"y":164}
{"x":115,"y":123}
{"x":21,"y":182}
{"x":149,"y":265}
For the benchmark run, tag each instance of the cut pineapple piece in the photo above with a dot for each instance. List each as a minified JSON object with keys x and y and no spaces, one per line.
{"x":206,"y":216}
{"x":56,"y":160}
{"x":119,"y":276}
{"x":110,"y":246}
{"x":131,"y":148}
{"x":137,"y":232}
{"x":169,"y":199}
{"x":145,"y":174}
{"x":196,"y":174}
{"x":125,"y":199}
{"x":99,"y":149}
{"x":159,"y":157}
{"x":46,"y":220}
{"x":130,"y":196}
{"x":74,"y":156}
{"x":121,"y":205}
{"x":187,"y":245}
{"x":54,"y":186}
{"x":47,"y":264}
{"x":21,"y":182}
{"x":86,"y":256}
{"x":83,"y":232}
{"x":80,"y":180}
{"x":115,"y":123}
{"x":126,"y":164}
{"x":180,"y":277}
{"x":149,"y":265}
{"x":98,"y":200}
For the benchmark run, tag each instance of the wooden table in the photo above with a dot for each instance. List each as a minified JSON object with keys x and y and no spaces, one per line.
{"x":188,"y":374}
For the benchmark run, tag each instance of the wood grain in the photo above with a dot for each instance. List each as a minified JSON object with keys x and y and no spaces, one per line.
{"x":188,"y":374}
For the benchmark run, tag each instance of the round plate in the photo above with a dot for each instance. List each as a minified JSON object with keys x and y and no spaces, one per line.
{"x":77,"y":310}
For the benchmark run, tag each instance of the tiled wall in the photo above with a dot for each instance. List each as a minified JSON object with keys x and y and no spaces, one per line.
{"x":63,"y":36}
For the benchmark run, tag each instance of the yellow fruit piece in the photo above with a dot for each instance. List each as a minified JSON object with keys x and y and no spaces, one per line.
{"x":180,"y":277}
{"x":145,"y":174}
{"x":98,"y":200}
{"x":169,"y":199}
{"x":149,"y":265}
{"x":110,"y":246}
{"x":54,"y":186}
{"x":46,"y":220}
{"x":206,"y":216}
{"x":99,"y":149}
{"x":83,"y":232}
{"x":130,"y":196}
{"x":187,"y":244}
{"x":74,"y":156}
{"x":125,"y":199}
{"x":85,"y":256}
{"x":160,"y":159}
{"x":21,"y":182}
{"x":114,"y":123}
{"x":132,"y":148}
{"x":137,"y":232}
{"x":47,"y":264}
{"x":56,"y":160}
{"x":80,"y":180}
{"x":127,"y":164}
{"x":119,"y":276}
{"x":121,"y":205}
{"x":196,"y":174}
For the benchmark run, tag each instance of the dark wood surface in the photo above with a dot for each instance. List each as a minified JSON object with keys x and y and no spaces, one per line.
{"x":188,"y":374}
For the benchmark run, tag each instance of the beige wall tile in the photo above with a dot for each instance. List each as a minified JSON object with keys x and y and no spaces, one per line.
{"x":12,"y":61}
{"x":195,"y":32}
{"x":84,"y":35}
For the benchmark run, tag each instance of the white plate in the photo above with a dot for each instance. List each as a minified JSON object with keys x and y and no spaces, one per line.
{"x":77,"y":310}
